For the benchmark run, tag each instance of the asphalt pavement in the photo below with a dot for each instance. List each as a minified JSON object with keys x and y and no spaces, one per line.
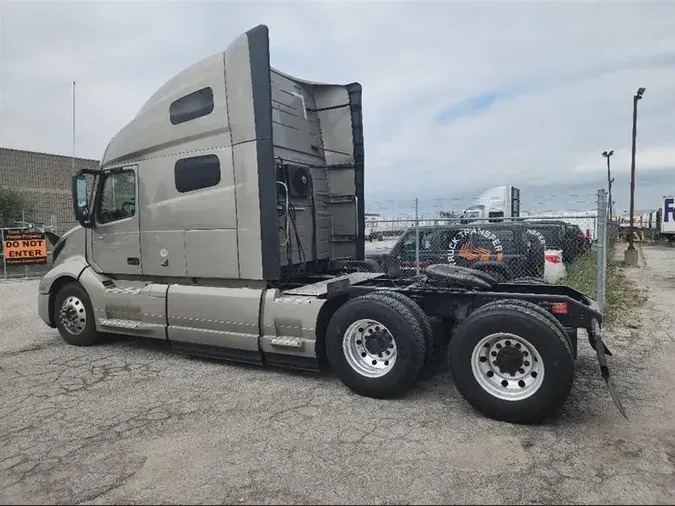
{"x":129,"y":421}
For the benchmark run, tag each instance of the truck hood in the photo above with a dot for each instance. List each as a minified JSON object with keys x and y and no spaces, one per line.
{"x":70,"y":243}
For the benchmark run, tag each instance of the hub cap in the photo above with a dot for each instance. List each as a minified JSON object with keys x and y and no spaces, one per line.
{"x":73,"y":315}
{"x":369,"y":348}
{"x":507,"y":366}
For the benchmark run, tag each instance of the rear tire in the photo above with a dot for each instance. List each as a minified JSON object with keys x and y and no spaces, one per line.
{"x":419,"y":314}
{"x":74,"y":316}
{"x":495,"y":341}
{"x":571,"y":335}
{"x":376,"y":346}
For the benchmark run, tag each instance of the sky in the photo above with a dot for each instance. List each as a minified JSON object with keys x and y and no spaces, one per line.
{"x":457,"y":96}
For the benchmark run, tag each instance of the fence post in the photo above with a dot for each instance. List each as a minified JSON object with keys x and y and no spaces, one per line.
{"x":23,"y":221}
{"x":601,"y":250}
{"x":417,"y":236}
{"x":4,"y":252}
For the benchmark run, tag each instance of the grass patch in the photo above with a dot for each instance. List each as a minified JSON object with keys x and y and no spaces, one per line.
{"x":581,"y":275}
{"x":620,"y":292}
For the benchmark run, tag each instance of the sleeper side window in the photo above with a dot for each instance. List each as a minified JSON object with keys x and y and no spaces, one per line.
{"x":192,"y":106}
{"x":196,"y":173}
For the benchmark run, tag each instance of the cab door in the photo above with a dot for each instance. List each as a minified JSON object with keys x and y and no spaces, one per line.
{"x":115,"y":236}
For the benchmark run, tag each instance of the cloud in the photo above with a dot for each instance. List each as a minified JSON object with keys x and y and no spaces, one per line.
{"x":458,"y":96}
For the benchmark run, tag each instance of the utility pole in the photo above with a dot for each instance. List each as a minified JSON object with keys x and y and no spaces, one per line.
{"x":73,"y":157}
{"x":610,"y":180}
{"x":631,"y":256}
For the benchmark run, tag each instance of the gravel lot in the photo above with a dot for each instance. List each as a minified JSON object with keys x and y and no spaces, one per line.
{"x":128,"y":421}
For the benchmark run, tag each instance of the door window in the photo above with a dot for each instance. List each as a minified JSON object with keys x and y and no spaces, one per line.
{"x":118,"y":197}
{"x":425,"y":241}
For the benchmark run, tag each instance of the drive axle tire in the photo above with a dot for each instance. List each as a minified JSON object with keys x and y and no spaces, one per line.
{"x":376,"y":346}
{"x":74,"y":316}
{"x":571,"y":335}
{"x":511,"y":363}
{"x":419,"y":314}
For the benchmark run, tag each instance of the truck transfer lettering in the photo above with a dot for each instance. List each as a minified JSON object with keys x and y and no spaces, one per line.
{"x":471,"y":252}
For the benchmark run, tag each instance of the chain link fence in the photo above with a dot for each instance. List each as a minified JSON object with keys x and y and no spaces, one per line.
{"x":560,"y":247}
{"x":563,"y":247}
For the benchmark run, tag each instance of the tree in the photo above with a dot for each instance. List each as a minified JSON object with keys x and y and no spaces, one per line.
{"x":14,"y":206}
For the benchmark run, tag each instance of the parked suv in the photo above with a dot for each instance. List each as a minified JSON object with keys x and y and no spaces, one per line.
{"x":502,"y":249}
{"x":560,"y":235}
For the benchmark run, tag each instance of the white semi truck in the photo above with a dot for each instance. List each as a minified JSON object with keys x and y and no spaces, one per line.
{"x":227,"y":218}
{"x":494,"y":204}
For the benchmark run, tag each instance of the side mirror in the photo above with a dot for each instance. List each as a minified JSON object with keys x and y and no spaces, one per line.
{"x":81,"y":200}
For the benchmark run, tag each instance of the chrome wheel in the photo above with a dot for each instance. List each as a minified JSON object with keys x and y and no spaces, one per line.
{"x":369,"y":348}
{"x":73,"y":315}
{"x":507,"y":366}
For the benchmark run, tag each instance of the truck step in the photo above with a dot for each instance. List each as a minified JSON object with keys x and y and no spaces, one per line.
{"x":119,"y":323}
{"x":287,"y":342}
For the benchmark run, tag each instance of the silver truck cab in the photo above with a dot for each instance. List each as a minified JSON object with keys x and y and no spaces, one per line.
{"x":227,"y":218}
{"x":232,"y":179}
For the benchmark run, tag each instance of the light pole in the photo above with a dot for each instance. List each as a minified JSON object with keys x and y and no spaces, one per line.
{"x":631,"y":253}
{"x":610,"y":180}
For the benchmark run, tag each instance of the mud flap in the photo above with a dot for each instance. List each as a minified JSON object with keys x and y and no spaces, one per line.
{"x":601,"y":350}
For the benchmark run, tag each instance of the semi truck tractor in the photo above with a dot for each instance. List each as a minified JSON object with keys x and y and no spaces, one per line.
{"x":494,"y":204}
{"x":227,"y":218}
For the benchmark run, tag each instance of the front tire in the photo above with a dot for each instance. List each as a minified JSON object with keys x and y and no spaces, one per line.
{"x":74,"y":316}
{"x":376,"y":346}
{"x":511,"y":363}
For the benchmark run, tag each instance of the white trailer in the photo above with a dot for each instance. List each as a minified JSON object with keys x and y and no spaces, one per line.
{"x":667,"y":229}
